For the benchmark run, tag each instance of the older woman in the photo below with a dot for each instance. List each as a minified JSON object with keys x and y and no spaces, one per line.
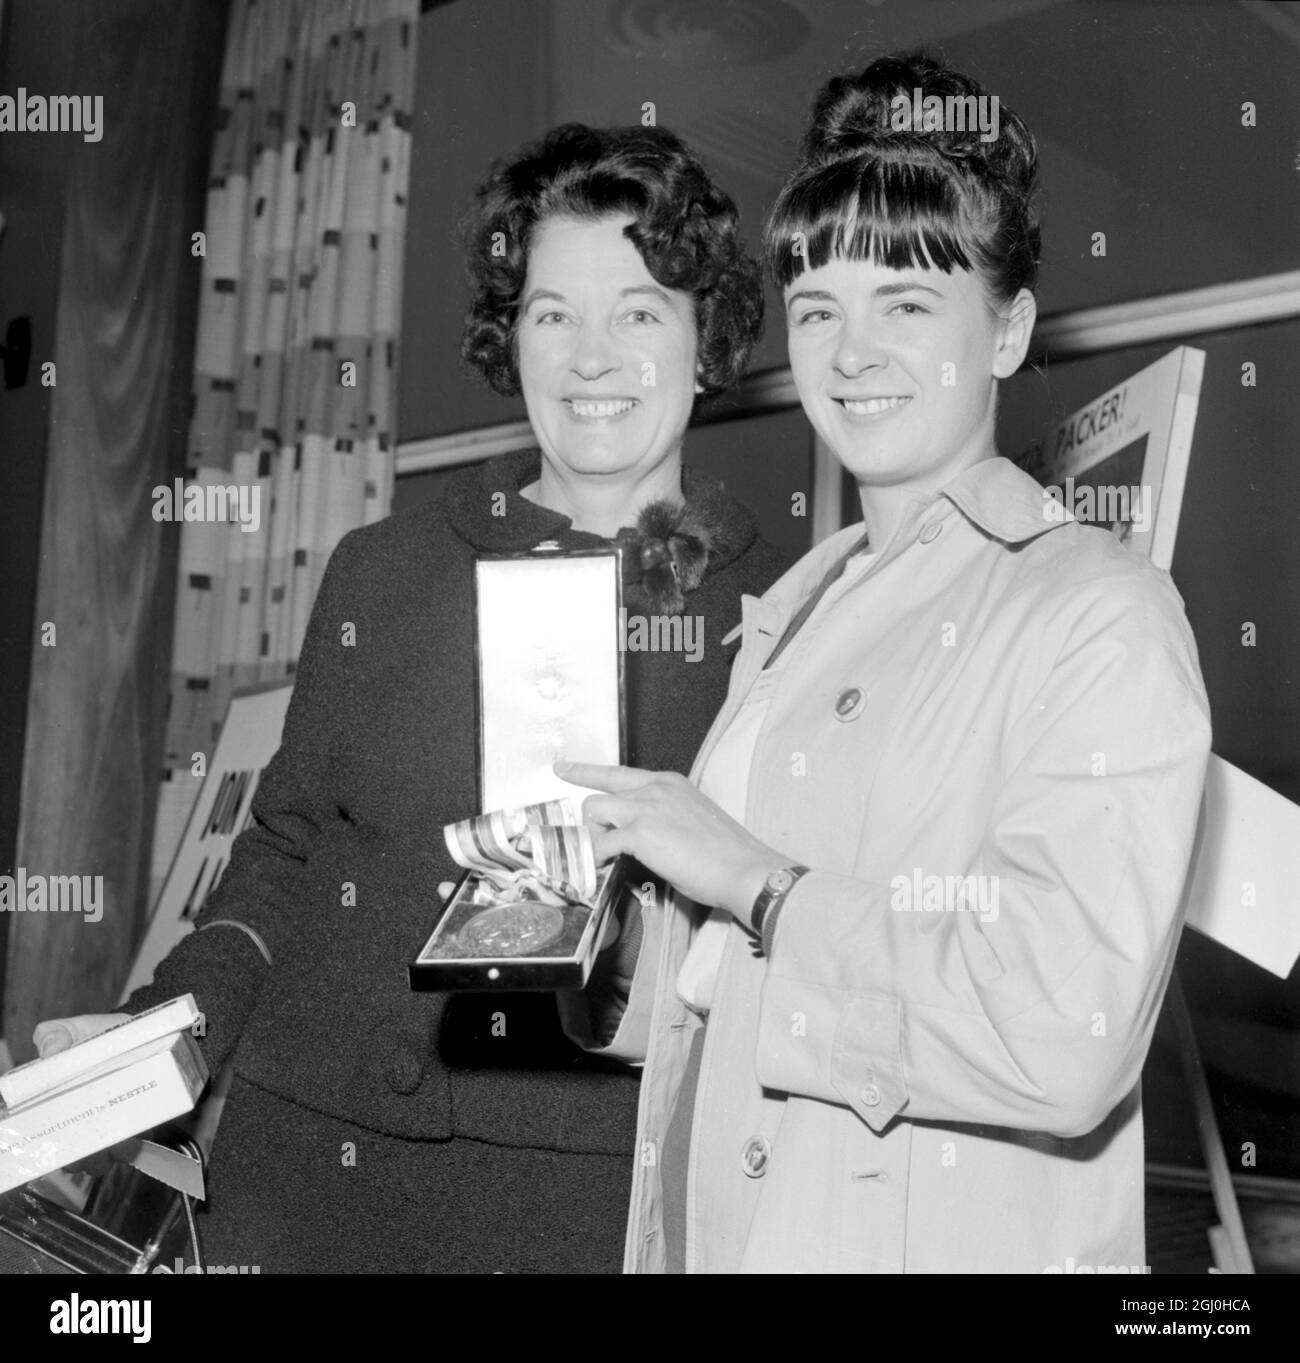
{"x":940,"y":829}
{"x":369,"y":1127}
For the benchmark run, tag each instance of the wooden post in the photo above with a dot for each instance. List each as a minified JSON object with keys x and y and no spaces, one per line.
{"x":1228,"y":1239}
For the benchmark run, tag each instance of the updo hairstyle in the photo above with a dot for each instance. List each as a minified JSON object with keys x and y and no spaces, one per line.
{"x":866,"y":188}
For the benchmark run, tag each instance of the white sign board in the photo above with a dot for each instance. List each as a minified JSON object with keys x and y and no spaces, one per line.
{"x":249,"y":739}
{"x":1245,"y":881}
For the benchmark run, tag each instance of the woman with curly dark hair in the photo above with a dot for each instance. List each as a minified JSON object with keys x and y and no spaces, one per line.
{"x":371,"y":1128}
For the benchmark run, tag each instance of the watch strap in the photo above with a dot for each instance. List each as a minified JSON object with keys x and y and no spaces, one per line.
{"x":771,"y":896}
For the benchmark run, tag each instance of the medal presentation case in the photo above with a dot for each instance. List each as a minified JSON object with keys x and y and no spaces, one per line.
{"x":531,"y":909}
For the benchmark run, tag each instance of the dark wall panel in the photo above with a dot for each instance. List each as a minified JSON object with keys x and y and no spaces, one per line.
{"x":123,"y":351}
{"x":34,"y":51}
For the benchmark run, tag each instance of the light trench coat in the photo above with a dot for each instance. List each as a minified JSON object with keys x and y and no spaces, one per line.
{"x":904,"y":1086}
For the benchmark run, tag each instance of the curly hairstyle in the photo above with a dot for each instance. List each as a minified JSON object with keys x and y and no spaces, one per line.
{"x":866,"y":189}
{"x":686,"y":231}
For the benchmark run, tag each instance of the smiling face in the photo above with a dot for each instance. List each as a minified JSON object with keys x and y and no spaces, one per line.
{"x":895,"y":368}
{"x":607,"y":356}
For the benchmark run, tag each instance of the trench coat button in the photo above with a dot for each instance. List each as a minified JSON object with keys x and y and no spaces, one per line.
{"x":930,"y":532}
{"x":870,"y":1095}
{"x":755,"y":1155}
{"x":849,"y":704}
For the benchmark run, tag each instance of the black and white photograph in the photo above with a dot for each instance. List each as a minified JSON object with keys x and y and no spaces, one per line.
{"x":650,"y":637}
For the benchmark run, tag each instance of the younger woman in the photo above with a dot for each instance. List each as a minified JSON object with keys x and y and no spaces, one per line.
{"x":939,"y":831}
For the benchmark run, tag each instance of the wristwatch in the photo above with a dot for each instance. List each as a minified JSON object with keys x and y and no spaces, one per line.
{"x":775,"y":888}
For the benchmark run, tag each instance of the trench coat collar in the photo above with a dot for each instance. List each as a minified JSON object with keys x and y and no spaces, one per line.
{"x":996,"y":496}
{"x":1003,"y":500}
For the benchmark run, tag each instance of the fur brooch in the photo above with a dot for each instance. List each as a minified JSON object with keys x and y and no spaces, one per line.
{"x":667,"y":552}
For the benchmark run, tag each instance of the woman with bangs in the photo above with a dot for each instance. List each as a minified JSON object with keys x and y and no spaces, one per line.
{"x":929,"y":862}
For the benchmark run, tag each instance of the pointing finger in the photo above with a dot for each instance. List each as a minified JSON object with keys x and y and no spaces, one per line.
{"x":597,"y":777}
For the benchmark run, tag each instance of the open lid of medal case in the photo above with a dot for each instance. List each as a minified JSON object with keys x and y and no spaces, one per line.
{"x":550,"y":686}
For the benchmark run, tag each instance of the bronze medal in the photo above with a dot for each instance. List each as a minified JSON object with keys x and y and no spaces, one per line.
{"x":516,"y":929}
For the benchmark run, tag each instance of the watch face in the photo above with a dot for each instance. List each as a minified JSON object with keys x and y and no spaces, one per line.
{"x":779,"y":881}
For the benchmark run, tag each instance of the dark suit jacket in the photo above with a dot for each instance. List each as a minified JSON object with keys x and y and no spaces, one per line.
{"x":379,"y":753}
